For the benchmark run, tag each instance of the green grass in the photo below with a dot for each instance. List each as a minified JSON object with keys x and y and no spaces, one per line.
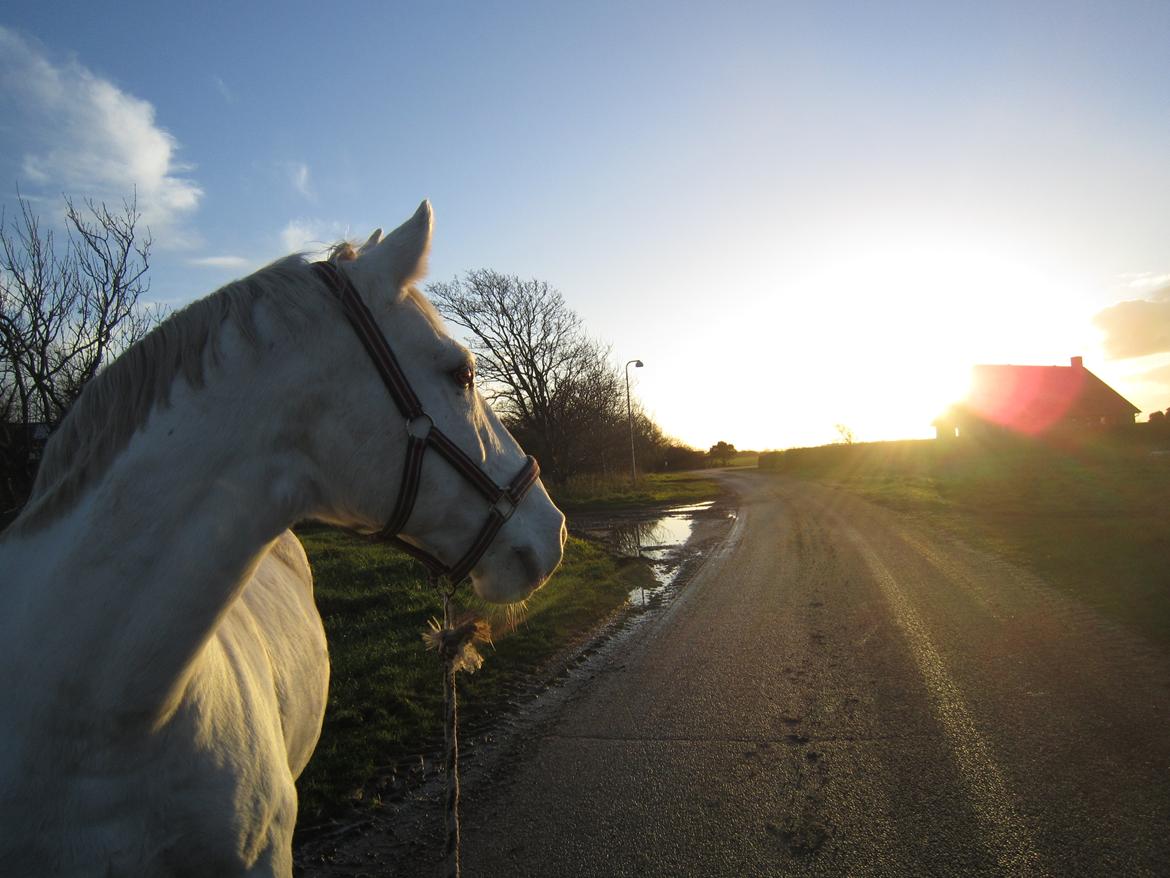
{"x":652,"y":489}
{"x":385,"y":695}
{"x":1091,"y":520}
{"x":745,"y":458}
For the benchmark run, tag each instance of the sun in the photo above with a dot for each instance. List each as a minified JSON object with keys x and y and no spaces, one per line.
{"x":891,"y":331}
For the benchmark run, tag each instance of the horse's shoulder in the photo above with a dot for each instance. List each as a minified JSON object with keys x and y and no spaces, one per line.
{"x":275,"y":631}
{"x":290,"y":552}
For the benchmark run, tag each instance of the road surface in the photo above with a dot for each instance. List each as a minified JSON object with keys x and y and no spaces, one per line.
{"x":843,"y":692}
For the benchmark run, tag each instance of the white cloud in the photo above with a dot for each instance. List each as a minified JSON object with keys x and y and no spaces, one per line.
{"x":220,"y":262}
{"x":311,"y":236}
{"x":1138,"y":327}
{"x":81,"y":134}
{"x":300,"y":235}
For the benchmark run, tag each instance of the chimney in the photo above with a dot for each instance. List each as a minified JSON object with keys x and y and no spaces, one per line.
{"x":1078,"y":363}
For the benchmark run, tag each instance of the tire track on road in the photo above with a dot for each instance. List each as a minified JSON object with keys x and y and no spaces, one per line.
{"x":1007,"y":837}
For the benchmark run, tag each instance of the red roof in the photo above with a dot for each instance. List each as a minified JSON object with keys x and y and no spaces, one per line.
{"x":1031,"y":399}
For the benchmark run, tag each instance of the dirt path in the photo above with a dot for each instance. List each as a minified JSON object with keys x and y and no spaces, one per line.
{"x":838,"y":691}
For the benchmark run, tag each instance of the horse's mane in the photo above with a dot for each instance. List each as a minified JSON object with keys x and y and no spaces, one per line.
{"x":120,"y":398}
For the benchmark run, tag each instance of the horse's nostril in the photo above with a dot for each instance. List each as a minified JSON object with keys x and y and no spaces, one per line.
{"x":529,"y":561}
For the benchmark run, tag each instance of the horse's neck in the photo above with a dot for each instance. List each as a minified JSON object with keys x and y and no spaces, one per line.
{"x":125,"y":588}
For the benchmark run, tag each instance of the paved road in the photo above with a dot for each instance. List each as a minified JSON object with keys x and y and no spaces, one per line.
{"x":840,"y":692}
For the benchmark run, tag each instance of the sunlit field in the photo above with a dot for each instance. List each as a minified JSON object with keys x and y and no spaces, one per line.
{"x":1092,"y":520}
{"x":653,"y":489}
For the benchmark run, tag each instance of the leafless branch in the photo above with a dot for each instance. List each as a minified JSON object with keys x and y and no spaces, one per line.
{"x":65,"y":311}
{"x":555,"y":388}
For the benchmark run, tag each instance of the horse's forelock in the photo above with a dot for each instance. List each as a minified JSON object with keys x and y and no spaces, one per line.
{"x":343,"y":251}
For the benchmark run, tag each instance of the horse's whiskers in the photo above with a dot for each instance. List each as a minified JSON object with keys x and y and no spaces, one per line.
{"x":515,"y":614}
{"x":504,"y":618}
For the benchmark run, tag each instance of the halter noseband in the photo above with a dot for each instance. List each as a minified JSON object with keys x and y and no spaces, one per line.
{"x":421,"y":434}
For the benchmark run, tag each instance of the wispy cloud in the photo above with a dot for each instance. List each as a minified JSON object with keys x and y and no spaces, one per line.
{"x":312,"y":236}
{"x":81,"y":134}
{"x":298,"y":174}
{"x":1146,"y":280}
{"x":236,"y":262}
{"x":222,"y":87}
{"x":1157,"y":375}
{"x":300,"y":234}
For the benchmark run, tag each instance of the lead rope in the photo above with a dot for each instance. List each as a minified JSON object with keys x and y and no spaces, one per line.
{"x":455,"y":644}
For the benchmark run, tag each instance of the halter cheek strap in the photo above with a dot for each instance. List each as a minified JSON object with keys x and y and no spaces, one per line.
{"x":422,"y":434}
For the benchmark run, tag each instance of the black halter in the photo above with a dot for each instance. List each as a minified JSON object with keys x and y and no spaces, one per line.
{"x":422,"y":434}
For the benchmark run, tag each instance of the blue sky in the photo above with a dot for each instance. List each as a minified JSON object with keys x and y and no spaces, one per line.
{"x":796,"y":215}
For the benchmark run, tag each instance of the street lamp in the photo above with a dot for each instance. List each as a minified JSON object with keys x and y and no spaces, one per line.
{"x":630,"y":417}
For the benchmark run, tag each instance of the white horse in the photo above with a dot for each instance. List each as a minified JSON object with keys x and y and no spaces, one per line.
{"x":163,"y":668}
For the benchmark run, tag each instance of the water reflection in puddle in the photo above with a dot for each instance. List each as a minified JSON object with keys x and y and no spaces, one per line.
{"x":659,"y":539}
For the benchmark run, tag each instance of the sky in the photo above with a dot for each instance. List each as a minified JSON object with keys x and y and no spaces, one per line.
{"x":802,"y":218}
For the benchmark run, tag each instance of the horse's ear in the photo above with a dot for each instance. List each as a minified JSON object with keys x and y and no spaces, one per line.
{"x":402,"y":255}
{"x":371,"y":242}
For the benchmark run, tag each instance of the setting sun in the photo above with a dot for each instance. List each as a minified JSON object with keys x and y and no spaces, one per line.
{"x":880,"y":337}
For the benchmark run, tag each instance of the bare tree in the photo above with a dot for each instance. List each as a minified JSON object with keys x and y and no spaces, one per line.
{"x":64,"y":313}
{"x":553,"y":386}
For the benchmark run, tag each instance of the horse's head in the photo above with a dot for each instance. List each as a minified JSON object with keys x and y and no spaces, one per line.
{"x":452,"y":509}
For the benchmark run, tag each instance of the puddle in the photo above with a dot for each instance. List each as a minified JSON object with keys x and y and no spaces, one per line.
{"x":657,"y":536}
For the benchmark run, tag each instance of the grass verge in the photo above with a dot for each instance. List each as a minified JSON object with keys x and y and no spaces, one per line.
{"x":652,"y":489}
{"x":1091,"y":520}
{"x":385,"y":696}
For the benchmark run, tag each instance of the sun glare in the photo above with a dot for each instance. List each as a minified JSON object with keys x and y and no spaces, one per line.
{"x":886,"y":336}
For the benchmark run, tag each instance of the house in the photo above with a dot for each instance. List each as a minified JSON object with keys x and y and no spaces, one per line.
{"x":1035,"y":401}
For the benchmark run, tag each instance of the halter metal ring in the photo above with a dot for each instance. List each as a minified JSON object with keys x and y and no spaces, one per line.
{"x":420,"y":426}
{"x":504,"y":507}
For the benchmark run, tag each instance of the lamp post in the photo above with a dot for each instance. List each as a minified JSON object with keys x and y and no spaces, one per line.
{"x":630,"y":417}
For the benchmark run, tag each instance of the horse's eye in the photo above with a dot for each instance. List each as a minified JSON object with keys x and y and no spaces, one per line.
{"x":464,"y":376}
